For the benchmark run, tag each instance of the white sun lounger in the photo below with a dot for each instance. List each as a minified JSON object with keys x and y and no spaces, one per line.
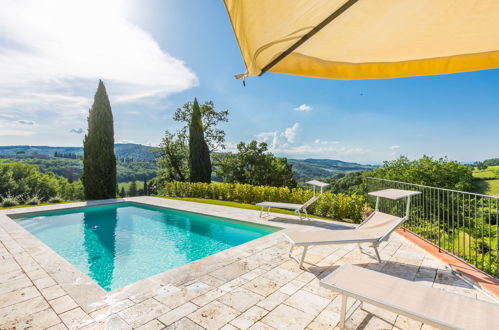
{"x":422,"y":303}
{"x":297,"y":208}
{"x":375,"y":229}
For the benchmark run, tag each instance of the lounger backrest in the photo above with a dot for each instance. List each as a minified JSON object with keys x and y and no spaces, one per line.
{"x":310,"y":201}
{"x":381,"y":224}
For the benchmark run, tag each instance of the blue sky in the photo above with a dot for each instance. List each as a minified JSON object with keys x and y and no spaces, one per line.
{"x":155,"y":55}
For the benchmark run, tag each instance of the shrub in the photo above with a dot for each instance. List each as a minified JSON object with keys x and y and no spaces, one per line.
{"x":10,"y":201}
{"x":33,"y":201}
{"x":330,"y":205}
{"x":56,"y":199}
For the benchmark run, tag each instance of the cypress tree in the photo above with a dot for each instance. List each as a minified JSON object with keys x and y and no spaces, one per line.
{"x":132,"y":190}
{"x":99,"y":161}
{"x":122,"y":191}
{"x":146,"y":191}
{"x":199,"y":154}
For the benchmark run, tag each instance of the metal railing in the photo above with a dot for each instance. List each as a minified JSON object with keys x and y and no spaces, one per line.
{"x":462,"y":223}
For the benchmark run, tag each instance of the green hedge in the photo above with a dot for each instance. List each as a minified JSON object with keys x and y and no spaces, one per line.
{"x":330,"y":205}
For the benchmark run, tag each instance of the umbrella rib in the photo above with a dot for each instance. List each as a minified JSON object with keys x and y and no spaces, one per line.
{"x":307,"y":36}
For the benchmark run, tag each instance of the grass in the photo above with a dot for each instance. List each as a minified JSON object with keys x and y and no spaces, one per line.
{"x":236,"y":204}
{"x":488,"y":180}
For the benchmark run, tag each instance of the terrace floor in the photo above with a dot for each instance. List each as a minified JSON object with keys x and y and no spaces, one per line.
{"x":251,"y":286}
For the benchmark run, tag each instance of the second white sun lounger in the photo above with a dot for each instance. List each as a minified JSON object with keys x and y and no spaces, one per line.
{"x":435,"y":307}
{"x":375,"y":229}
{"x":297,"y":208}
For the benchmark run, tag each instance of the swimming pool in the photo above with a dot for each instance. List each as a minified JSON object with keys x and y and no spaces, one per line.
{"x":119,"y":244}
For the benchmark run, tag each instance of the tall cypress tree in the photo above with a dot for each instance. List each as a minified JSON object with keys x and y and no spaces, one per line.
{"x":199,"y":154}
{"x":99,"y":161}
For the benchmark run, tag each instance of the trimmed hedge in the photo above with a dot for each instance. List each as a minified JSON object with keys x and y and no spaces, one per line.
{"x":330,"y":205}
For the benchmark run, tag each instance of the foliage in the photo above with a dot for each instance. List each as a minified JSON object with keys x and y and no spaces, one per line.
{"x":330,"y":205}
{"x":99,"y":161}
{"x":56,"y":199}
{"x":349,"y":183}
{"x":132,"y":190}
{"x":488,"y":180}
{"x":252,"y":164}
{"x":10,"y":201}
{"x":34,"y":200}
{"x":214,"y":136}
{"x":174,"y":160}
{"x":308,"y":169}
{"x":23,"y":182}
{"x":127,"y":170}
{"x":442,"y":173}
{"x":491,"y":162}
{"x":199,"y":154}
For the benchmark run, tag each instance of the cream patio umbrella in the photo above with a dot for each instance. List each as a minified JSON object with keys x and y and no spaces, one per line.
{"x":365,"y":39}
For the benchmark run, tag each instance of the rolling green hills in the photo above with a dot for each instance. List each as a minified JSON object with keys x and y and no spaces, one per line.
{"x":488,"y":180}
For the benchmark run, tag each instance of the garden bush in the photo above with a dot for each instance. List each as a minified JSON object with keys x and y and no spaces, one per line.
{"x":338,"y":206}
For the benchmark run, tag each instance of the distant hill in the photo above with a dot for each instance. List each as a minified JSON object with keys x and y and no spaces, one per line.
{"x":307,"y":169}
{"x":137,"y":152}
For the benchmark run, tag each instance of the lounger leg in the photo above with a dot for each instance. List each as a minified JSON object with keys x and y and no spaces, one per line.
{"x":305,"y":248}
{"x":261,"y":211}
{"x":291,"y":250}
{"x":306,"y":214}
{"x":375,"y":247}
{"x":343,"y":311}
{"x":299,"y":214}
{"x":268,"y":211}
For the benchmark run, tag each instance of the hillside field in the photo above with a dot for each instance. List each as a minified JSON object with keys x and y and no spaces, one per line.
{"x":488,"y":179}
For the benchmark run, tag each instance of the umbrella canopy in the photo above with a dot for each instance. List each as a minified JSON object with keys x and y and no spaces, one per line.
{"x":365,"y":39}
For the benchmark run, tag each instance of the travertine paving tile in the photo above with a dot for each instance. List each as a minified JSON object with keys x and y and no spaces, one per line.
{"x":262,"y":286}
{"x":76,"y":318}
{"x":273,"y":300}
{"x":307,"y":302}
{"x":185,"y":324}
{"x":143,"y":312}
{"x":261,"y":326}
{"x":152,"y":325}
{"x":21,"y":310}
{"x":208,"y":297}
{"x":45,"y":282}
{"x":214,"y":315}
{"x":176,"y":314}
{"x":240,"y":299}
{"x":286,"y":317}
{"x":248,"y":318}
{"x":17,"y":296}
{"x":63,"y":304}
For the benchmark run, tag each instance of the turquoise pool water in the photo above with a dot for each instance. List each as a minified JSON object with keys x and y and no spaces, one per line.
{"x":119,"y":244}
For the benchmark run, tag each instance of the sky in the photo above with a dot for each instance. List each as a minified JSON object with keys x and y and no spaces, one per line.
{"x":155,"y":55}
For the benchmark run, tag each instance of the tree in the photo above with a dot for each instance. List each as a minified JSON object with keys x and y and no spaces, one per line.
{"x":132,"y":190}
{"x":214,"y":136}
{"x":99,"y":161}
{"x":146,"y":192}
{"x":252,"y":164}
{"x":174,"y":160}
{"x":442,"y":173}
{"x":199,"y":154}
{"x":122,"y":191}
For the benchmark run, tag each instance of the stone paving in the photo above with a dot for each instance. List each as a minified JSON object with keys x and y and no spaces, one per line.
{"x":251,"y":286}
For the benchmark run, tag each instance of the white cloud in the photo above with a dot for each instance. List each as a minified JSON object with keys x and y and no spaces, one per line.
{"x":325,"y":142}
{"x":291,"y":132}
{"x":26,"y":122}
{"x":77,"y":130}
{"x":15,"y":128}
{"x":126,"y":141}
{"x":395,"y":147}
{"x":271,"y":138}
{"x":53,"y":52}
{"x":303,"y":107}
